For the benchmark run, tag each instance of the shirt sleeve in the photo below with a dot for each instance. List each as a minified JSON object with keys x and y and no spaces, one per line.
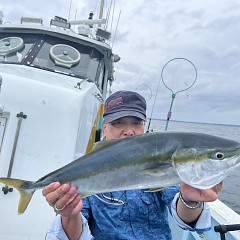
{"x":56,"y":231}
{"x":204,"y":221}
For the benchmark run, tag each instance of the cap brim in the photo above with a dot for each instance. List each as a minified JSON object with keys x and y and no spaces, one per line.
{"x":114,"y":116}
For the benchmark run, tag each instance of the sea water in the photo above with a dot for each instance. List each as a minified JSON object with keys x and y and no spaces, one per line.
{"x":230,"y":193}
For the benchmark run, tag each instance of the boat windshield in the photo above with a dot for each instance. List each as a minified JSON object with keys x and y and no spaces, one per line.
{"x":51,"y":53}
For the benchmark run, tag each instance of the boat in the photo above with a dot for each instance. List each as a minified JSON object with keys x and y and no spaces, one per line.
{"x":54,"y":81}
{"x":53,"y":84}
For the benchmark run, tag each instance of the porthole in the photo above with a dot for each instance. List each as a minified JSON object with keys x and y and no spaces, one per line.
{"x":64,"y":55}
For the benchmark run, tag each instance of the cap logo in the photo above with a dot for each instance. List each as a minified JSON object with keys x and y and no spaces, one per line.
{"x":115,"y":103}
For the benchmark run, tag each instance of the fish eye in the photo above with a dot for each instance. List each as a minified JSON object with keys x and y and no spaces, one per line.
{"x":219,"y":155}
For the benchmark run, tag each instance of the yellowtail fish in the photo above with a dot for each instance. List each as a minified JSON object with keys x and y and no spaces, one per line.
{"x":148,"y":161}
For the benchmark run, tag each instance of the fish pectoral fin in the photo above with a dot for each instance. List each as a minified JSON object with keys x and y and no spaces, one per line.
{"x":25,"y":193}
{"x":153,"y":172}
{"x":83,"y":195}
{"x":158,"y":169}
{"x":155,"y":189}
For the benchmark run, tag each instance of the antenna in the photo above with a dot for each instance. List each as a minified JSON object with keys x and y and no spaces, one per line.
{"x":116,"y":28}
{"x":112,"y":16}
{"x":108,"y":14}
{"x":101,"y":11}
{"x":69,"y":9}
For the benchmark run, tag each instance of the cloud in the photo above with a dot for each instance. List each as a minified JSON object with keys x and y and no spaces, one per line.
{"x":150,"y":33}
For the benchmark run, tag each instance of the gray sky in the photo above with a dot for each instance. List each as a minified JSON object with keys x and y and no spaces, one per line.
{"x":152,"y":32}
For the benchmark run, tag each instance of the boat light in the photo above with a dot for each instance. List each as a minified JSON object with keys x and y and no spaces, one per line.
{"x":116,"y":58}
{"x":60,"y":22}
{"x":31,"y":20}
{"x":103,"y":33}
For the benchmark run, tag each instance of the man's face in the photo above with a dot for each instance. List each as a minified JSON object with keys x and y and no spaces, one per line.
{"x":123,"y":127}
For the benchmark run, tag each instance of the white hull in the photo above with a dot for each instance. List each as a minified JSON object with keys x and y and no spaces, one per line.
{"x":53,"y":134}
{"x":61,"y":105}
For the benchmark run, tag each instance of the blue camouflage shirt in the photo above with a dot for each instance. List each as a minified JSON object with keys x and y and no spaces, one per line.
{"x":143,"y":216}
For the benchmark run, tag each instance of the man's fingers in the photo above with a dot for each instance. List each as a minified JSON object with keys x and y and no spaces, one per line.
{"x":208,"y":195}
{"x":54,"y":192}
{"x":73,"y":207}
{"x":50,"y":188}
{"x":218,"y":187}
{"x":65,"y":197}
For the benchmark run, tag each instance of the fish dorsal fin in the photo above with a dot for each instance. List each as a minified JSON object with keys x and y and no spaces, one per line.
{"x":101,"y":144}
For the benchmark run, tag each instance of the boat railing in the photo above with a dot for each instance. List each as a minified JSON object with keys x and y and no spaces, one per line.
{"x":223,"y":229}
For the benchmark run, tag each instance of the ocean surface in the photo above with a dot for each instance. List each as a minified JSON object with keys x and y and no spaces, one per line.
{"x":230,"y":193}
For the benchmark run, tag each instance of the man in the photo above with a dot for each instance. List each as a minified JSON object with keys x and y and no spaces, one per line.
{"x":143,"y":215}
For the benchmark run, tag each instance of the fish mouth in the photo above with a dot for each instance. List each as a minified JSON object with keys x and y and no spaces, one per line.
{"x":206,"y":173}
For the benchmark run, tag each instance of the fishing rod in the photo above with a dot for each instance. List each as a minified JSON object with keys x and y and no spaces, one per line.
{"x":147,"y":99}
{"x":154,"y":102}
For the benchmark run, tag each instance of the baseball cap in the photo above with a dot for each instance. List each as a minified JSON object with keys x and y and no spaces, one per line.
{"x":123,"y":104}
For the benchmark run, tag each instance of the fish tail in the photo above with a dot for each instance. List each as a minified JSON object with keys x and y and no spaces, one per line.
{"x":24,"y":189}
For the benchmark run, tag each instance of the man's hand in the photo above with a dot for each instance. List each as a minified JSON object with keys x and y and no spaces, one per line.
{"x":63,"y":198}
{"x":191,"y":197}
{"x":196,"y":195}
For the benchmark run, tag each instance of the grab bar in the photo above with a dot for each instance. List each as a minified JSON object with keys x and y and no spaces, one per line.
{"x":222,"y":229}
{"x":20,"y":116}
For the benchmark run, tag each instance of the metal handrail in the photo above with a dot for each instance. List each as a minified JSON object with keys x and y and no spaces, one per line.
{"x":222,"y":229}
{"x":20,"y":116}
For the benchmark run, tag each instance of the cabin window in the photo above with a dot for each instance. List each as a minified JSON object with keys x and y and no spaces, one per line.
{"x":100,"y":76}
{"x":68,"y":58}
{"x":53,"y":54}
